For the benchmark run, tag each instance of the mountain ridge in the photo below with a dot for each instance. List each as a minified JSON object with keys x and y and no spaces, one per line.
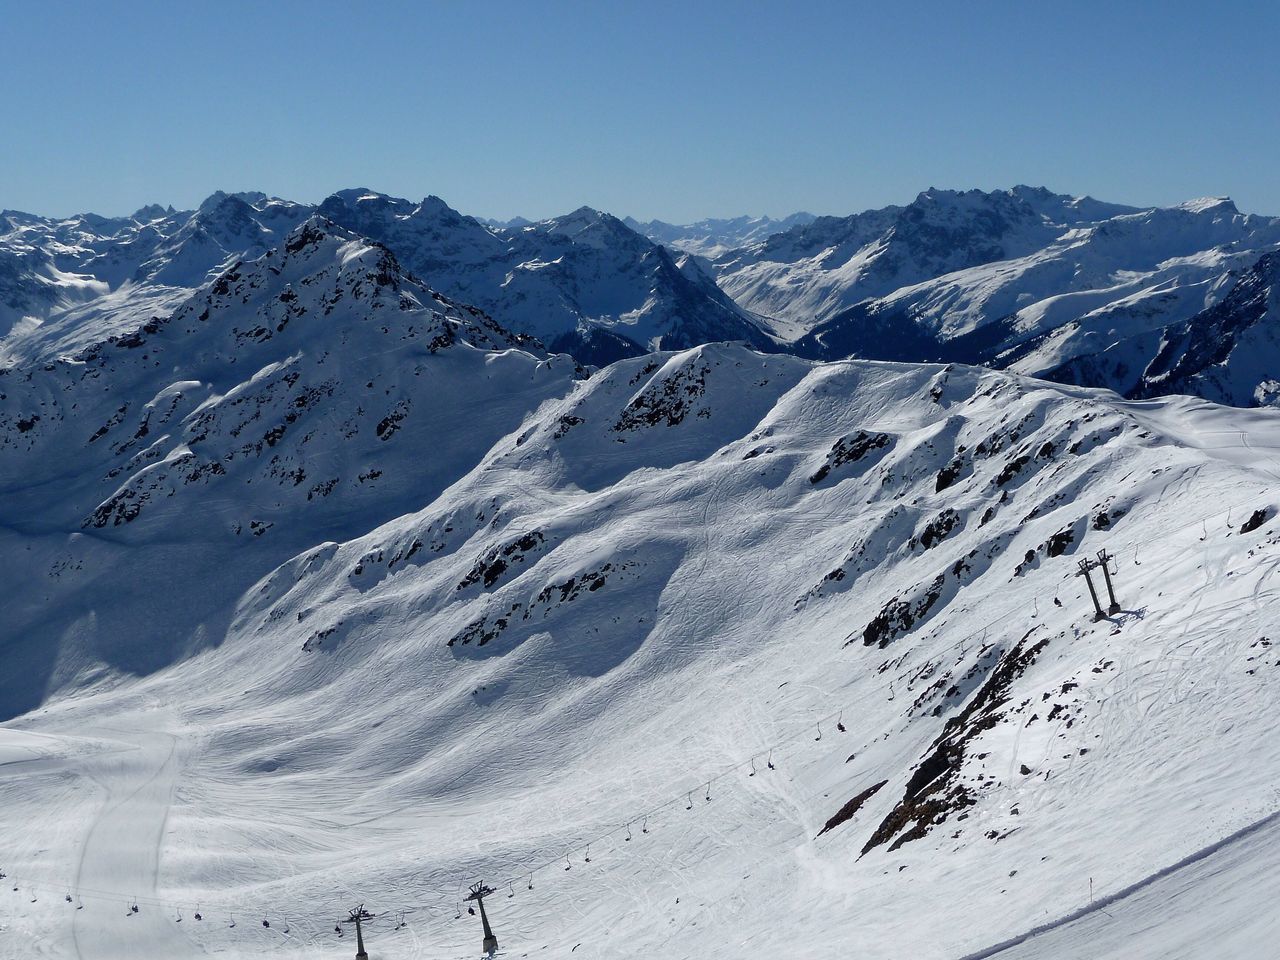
{"x":595,"y":616}
{"x":1041,"y":282}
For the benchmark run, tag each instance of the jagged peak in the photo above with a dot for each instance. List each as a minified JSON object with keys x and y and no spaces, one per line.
{"x":215,"y":200}
{"x":356,"y":194}
{"x":362,"y":200}
{"x":150,"y":212}
{"x":587,"y":221}
{"x":433,"y":206}
{"x":934,"y":194}
{"x":370,"y":204}
{"x":1039,"y":193}
{"x":584,"y":216}
{"x":318,"y":231}
{"x":975,"y":196}
{"x":513,"y":223}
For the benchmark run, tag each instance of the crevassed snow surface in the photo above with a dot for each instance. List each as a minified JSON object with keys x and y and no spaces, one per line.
{"x":566,"y":611}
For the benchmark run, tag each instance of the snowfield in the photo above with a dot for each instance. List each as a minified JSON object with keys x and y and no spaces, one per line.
{"x":324,"y":588}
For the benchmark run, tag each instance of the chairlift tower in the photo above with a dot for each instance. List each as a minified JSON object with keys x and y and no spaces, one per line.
{"x":358,"y":916}
{"x":478,"y":892}
{"x":1085,"y":566}
{"x":1104,"y":561}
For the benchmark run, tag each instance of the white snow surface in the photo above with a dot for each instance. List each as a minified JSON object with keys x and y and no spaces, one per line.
{"x":954,"y":262}
{"x":712,"y":236}
{"x":325,"y":589}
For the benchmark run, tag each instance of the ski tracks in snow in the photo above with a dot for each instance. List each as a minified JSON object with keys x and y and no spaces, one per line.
{"x":122,"y":849}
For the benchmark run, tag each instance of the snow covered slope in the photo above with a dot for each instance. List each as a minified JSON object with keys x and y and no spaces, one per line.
{"x":53,"y":270}
{"x":1021,"y":277}
{"x":311,"y":392}
{"x":1229,"y":352}
{"x":712,"y":237}
{"x":584,"y":283}
{"x":713,"y":654}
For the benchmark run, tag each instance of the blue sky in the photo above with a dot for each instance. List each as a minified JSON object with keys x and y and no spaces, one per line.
{"x":655,"y":109}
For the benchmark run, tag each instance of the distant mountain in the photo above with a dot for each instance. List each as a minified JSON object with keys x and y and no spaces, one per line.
{"x":1021,"y":278}
{"x":51,"y":267}
{"x":711,"y":237}
{"x":1042,"y":283}
{"x":156,"y":245}
{"x":584,"y":283}
{"x":1228,"y":352}
{"x":225,"y":227}
{"x":809,"y":274}
{"x":505,"y":224}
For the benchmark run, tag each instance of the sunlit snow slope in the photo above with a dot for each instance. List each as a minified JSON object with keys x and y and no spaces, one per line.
{"x":571,"y":611}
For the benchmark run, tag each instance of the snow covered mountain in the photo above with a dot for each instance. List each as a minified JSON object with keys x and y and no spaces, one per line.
{"x":325,"y":588}
{"x":584,"y":283}
{"x":317,"y":379}
{"x":1136,"y":256}
{"x":810,"y":273}
{"x":513,"y":222}
{"x":1041,"y":283}
{"x":155,"y":245}
{"x":1227,"y":352}
{"x":1022,"y":278}
{"x":118,"y":270}
{"x":712,"y":237}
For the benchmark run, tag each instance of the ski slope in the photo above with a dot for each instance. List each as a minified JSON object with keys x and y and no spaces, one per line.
{"x":1217,"y":902}
{"x":576,"y":610}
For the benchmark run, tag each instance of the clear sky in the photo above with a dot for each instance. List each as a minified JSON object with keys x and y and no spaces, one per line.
{"x":654,"y":109}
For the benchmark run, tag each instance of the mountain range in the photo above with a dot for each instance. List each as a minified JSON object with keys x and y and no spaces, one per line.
{"x":584,"y":283}
{"x":1041,"y":283}
{"x":1049,"y":285}
{"x":331,"y":580}
{"x":713,"y":237}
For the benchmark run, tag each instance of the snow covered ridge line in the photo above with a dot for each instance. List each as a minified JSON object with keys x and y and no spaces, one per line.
{"x":1046,"y":284}
{"x":584,"y":282}
{"x":648,"y":573}
{"x":1138,"y":300}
